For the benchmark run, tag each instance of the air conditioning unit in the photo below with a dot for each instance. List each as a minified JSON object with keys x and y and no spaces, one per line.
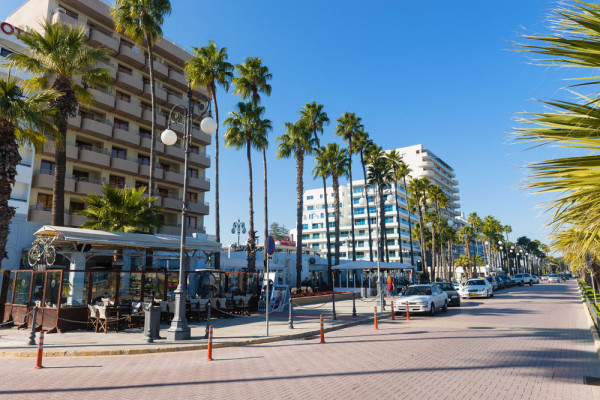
{"x":312,"y":260}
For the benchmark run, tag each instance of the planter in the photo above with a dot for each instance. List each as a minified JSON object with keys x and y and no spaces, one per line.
{"x":320,"y":299}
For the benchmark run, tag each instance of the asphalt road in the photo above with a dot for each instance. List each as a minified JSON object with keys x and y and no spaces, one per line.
{"x":525,"y":343}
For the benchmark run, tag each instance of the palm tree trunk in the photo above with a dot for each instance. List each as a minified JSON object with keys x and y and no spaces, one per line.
{"x":217,"y":210}
{"x":412,"y":254}
{"x":328,"y":241}
{"x":251,"y":242}
{"x":151,"y":177}
{"x":381,"y":235}
{"x":422,"y":232}
{"x":336,"y":213}
{"x":433,"y":254}
{"x":299,"y":208}
{"x":60,"y":167}
{"x":9,"y":154}
{"x":362,"y":161}
{"x":351,"y":201}
{"x":266,"y":231}
{"x":398,"y":220}
{"x":468,"y":253}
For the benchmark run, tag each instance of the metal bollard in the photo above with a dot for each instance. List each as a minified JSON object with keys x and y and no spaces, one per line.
{"x":207,"y":319}
{"x":353,"y":304}
{"x":291,"y":320}
{"x":333,"y":304}
{"x":375,"y":319}
{"x":393,"y":314}
{"x":322,"y":330}
{"x":150,"y":339}
{"x":407,"y":313}
{"x":40,"y":353}
{"x":210,"y":338}
{"x":33,"y":322}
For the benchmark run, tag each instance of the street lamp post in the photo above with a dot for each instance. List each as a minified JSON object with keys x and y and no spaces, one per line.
{"x":500,"y":243}
{"x":179,"y":329}
{"x":514,"y":258}
{"x":238,"y":227}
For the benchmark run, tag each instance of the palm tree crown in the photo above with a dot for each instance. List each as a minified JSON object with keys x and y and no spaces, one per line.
{"x":141,"y":20}
{"x":253,"y":79}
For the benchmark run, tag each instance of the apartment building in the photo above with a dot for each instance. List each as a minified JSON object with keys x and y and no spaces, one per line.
{"x":314,"y":219}
{"x":108,"y":141}
{"x":425,"y":164}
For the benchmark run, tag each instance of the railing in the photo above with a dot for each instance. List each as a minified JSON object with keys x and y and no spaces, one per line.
{"x":40,"y":207}
{"x":590,"y":306}
{"x":95,"y":149}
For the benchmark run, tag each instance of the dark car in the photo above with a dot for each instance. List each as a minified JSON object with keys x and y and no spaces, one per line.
{"x":453,"y":295}
{"x":500,"y":282}
{"x":506,"y":280}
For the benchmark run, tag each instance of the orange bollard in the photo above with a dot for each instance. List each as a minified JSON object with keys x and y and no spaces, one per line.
{"x":210,"y":337}
{"x":393,"y":313}
{"x":38,"y":363}
{"x":375,"y":319}
{"x":407,"y":313}
{"x":322,"y":330}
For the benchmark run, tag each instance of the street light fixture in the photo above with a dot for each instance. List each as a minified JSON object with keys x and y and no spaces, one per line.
{"x":238,"y":227}
{"x":179,"y":329}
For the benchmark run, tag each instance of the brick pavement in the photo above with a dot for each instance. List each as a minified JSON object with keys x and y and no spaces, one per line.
{"x":528,"y":343}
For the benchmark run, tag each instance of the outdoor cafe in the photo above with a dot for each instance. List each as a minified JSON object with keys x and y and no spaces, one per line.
{"x":361,"y":275}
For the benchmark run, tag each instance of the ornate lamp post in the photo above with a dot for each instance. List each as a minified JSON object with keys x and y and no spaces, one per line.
{"x":500,"y":243}
{"x":179,"y":329}
{"x":240,"y":227}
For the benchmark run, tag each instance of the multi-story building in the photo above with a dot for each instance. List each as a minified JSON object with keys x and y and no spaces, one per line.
{"x":425,"y":164}
{"x":108,"y":141}
{"x":314,"y":232}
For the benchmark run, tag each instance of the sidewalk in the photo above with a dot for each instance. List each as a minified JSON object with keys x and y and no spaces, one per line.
{"x":238,"y":331}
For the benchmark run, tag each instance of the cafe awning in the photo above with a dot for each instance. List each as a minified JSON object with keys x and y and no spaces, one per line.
{"x":66,"y":236}
{"x":364,"y":264}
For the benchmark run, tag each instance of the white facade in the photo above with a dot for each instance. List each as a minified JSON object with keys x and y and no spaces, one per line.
{"x":425,"y":164}
{"x":314,"y":232}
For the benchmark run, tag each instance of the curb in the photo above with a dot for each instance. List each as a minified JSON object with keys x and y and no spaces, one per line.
{"x":592,"y":327}
{"x":193,"y":347}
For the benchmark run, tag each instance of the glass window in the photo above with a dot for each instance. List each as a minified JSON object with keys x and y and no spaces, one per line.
{"x":22,"y":286}
{"x":193,"y":173}
{"x":118,"y":181}
{"x":44,"y":202}
{"x":145,"y":133}
{"x":131,"y":287}
{"x":192,"y":197}
{"x":11,"y":284}
{"x":143,"y":160}
{"x":47,"y":168}
{"x":154,"y":282}
{"x":120,"y":124}
{"x":103,"y":286}
{"x":52,"y":289}
{"x":75,"y":207}
{"x":192,"y":221}
{"x":309,"y":197}
{"x":304,"y":226}
{"x":81,"y":176}
{"x":118,"y":152}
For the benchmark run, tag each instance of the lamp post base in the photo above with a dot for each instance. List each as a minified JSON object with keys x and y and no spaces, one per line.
{"x":182,"y":332}
{"x":179,"y":329}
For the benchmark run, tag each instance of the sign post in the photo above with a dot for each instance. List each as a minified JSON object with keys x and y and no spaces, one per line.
{"x":270,"y":247}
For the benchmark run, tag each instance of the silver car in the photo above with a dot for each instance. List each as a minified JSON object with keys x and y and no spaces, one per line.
{"x":422,"y":298}
{"x":553,"y":278}
{"x":478,"y":287}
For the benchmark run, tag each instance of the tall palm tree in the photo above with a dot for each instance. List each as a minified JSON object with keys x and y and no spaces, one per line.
{"x":361,"y":144}
{"x":379,"y":175}
{"x":394,"y":160}
{"x":333,"y":161}
{"x":348,"y":125}
{"x":403,"y":171}
{"x":142,"y":21}
{"x":253,"y":80}
{"x":121,"y":210}
{"x":208,"y":68}
{"x":297,"y":142}
{"x":467,"y":233}
{"x":22,"y":123}
{"x":314,"y":115}
{"x":247,"y":128}
{"x":438,"y":198}
{"x":57,"y":58}
{"x":418,"y":190}
{"x":476,"y":223}
{"x":507,"y":229}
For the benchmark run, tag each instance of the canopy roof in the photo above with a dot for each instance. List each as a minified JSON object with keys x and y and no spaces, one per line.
{"x":66,"y":236}
{"x":364,"y":264}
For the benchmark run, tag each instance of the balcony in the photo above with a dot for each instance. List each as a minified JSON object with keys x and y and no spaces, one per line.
{"x":144,"y":170}
{"x":96,"y":128}
{"x":198,"y":208}
{"x":60,"y":16}
{"x":99,"y":39}
{"x":175,"y":152}
{"x":199,"y":135}
{"x":147,"y":119}
{"x":95,"y":9}
{"x":161,"y":94}
{"x":171,"y":51}
{"x":172,"y":203}
{"x":43,"y":215}
{"x":128,"y":109}
{"x":130,"y":82}
{"x":127,"y":166}
{"x":43,"y":180}
{"x":112,"y":70}
{"x":145,"y":143}
{"x":77,"y":220}
{"x":132,"y":56}
{"x":49,"y":150}
{"x":177,"y":79}
{"x":199,"y":183}
{"x":94,"y":157}
{"x":103,"y":100}
{"x":200,"y":159}
{"x":74,"y":122}
{"x":173,"y":177}
{"x":170,"y":230}
{"x":174,"y":99}
{"x":160,"y":70}
{"x":84,"y":187}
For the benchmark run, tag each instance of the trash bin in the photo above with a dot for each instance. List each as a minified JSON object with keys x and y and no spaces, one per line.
{"x":152,"y":321}
{"x":363,"y":292}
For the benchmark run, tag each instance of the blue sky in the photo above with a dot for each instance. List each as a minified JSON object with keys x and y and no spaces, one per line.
{"x":442,"y":73}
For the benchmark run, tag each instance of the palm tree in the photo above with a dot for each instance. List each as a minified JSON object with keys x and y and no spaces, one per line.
{"x":22,"y":123}
{"x":361,"y":144}
{"x":247,"y":128}
{"x":379,"y":175}
{"x":467,"y":233}
{"x":57,"y":58}
{"x":121,"y":210}
{"x":314,"y":115}
{"x":439,"y":199}
{"x":297,"y":142}
{"x":207,"y":68}
{"x":252,"y":80}
{"x":418,"y":190}
{"x":333,"y":161}
{"x":507,"y":229}
{"x":476,"y":223}
{"x":403,"y":171}
{"x":348,"y":125}
{"x":142,"y":21}
{"x":394,"y":160}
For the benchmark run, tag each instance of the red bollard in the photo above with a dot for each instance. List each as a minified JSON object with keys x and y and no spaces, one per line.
{"x":38,"y":363}
{"x":322,"y":330}
{"x":393,"y":313}
{"x":375,"y":319}
{"x":407,"y":313}
{"x":210,"y":337}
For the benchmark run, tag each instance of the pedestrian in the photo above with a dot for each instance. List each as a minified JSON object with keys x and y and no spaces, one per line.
{"x":390,"y":286}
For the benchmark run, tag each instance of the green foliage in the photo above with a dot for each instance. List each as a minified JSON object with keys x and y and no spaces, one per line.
{"x":279,"y":232}
{"x":209,"y":67}
{"x":140,"y":19}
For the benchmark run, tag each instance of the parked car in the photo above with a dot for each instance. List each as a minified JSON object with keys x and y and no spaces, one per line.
{"x":453,"y":295}
{"x":522,"y":279}
{"x":535,"y":279}
{"x":544,"y":277}
{"x":553,"y":278}
{"x":492,"y":282}
{"x":477,"y":287}
{"x":456,"y":285}
{"x":499,"y":282}
{"x":507,"y":281}
{"x":422,"y":298}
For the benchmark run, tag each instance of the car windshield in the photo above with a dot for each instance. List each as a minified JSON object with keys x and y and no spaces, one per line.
{"x":553,"y":275}
{"x":418,"y":291}
{"x":445,"y":286}
{"x":477,"y":282}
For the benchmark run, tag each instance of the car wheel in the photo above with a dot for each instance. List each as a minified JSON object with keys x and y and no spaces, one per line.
{"x":432,"y":311}
{"x":492,"y":294}
{"x":445,"y":306}
{"x":530,"y":283}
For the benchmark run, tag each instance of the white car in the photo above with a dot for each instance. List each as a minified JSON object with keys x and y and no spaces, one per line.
{"x":535,"y":279}
{"x":553,"y":278}
{"x":478,"y":287}
{"x":422,"y":298}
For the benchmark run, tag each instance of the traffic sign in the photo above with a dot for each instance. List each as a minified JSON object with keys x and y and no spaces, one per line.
{"x":270,"y":245}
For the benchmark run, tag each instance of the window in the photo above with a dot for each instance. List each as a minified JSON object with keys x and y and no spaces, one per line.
{"x":4,"y":52}
{"x":315,"y":226}
{"x":120,"y":124}
{"x":118,"y":152}
{"x":125,"y":70}
{"x":146,"y":106}
{"x":315,"y":245}
{"x":193,"y":173}
{"x":117,"y":181}
{"x":356,"y":200}
{"x":310,"y":208}
{"x":358,"y":211}
{"x":47,"y":168}
{"x":305,"y":237}
{"x":44,"y":202}
{"x":332,"y":224}
{"x":304,"y":226}
{"x":81,"y":145}
{"x":320,"y":196}
{"x":309,"y":197}
{"x":165,"y":166}
{"x":372,"y":210}
{"x":389,"y":207}
{"x":358,"y":189}
{"x":192,"y":197}
{"x":81,"y":176}
{"x":360,"y":221}
{"x":75,"y":207}
{"x":139,"y":184}
{"x":123,"y":96}
{"x":316,"y":235}
{"x":389,"y":220}
{"x":194,"y":149}
{"x":192,"y":221}
{"x":143,"y":160}
{"x":162,"y":192}
{"x":145,"y":133}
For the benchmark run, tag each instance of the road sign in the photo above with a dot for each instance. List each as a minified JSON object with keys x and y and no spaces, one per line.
{"x":270,"y":245}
